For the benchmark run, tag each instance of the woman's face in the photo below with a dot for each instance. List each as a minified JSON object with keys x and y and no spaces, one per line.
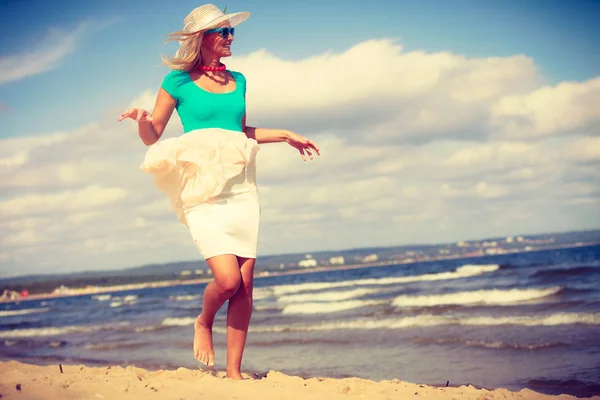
{"x":217,"y":45}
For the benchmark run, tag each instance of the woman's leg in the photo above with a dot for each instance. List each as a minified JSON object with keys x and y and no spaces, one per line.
{"x":238,"y":318}
{"x":227,"y":279}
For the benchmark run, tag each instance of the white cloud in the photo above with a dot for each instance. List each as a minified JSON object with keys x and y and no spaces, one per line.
{"x":584,"y":149}
{"x":43,"y":58}
{"x":45,"y":55}
{"x":88,"y":197}
{"x":569,"y":107}
{"x":400,"y":95}
{"x":408,"y":155}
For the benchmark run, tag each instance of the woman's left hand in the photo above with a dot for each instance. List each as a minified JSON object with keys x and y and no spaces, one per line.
{"x":305,"y":146}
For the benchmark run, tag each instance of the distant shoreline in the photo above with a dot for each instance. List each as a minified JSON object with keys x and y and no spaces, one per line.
{"x":99,"y":290}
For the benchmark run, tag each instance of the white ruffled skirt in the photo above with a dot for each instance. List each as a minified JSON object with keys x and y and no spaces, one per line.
{"x":209,"y":176}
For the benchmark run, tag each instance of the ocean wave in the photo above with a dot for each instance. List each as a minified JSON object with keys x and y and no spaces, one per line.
{"x":102,"y":297}
{"x":575,"y":387}
{"x":127,"y":300}
{"x":427,"y":320}
{"x":151,"y":328}
{"x":262,"y":293}
{"x":421,"y":321}
{"x":186,"y":297}
{"x":486,"y":297}
{"x":59,"y":330}
{"x":464,"y":271}
{"x":266,"y":307}
{"x":494,"y":344}
{"x":113,"y":346}
{"x":560,"y":273}
{"x":325,"y":308}
{"x":301,"y":341}
{"x":326,"y":296}
{"x":26,"y":311}
{"x":34,"y":344}
{"x":178,"y":321}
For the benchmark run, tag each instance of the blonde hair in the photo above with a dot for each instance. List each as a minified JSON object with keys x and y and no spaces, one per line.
{"x":189,"y":55}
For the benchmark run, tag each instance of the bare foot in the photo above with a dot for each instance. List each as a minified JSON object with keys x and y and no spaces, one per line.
{"x":203,"y":345}
{"x":235,"y":375}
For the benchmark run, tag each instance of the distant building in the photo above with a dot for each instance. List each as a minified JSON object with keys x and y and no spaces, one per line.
{"x":185,"y":273}
{"x":199,"y":272}
{"x":493,"y":251}
{"x":371,"y":258}
{"x":337,"y":260}
{"x":520,"y":239}
{"x":309,"y":262}
{"x":509,"y":239}
{"x":462,"y":244}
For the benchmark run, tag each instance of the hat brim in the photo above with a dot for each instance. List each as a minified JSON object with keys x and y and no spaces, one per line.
{"x":234,"y":20}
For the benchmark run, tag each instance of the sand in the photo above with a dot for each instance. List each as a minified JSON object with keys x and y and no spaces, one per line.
{"x":25,"y":381}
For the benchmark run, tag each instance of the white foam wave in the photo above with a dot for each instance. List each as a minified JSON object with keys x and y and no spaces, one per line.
{"x":141,"y":329}
{"x":437,"y":320}
{"x":102,"y":297}
{"x":54,"y":331}
{"x":181,"y":322}
{"x":487,"y":297}
{"x":178,"y":321}
{"x":127,"y":300}
{"x":186,"y":297}
{"x":12,"y":313}
{"x":324,"y":308}
{"x":265,"y":307}
{"x":262,"y":293}
{"x":464,"y":271}
{"x":326,"y":296}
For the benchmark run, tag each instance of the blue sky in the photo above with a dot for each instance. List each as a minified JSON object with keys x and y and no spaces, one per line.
{"x":438,"y":121}
{"x":118,"y":54}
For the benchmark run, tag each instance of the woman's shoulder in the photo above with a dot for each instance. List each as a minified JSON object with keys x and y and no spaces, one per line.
{"x":238,"y":75}
{"x":173,"y":80}
{"x":176,"y":75}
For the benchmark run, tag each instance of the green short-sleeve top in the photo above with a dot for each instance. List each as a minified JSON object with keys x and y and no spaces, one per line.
{"x":200,"y":109}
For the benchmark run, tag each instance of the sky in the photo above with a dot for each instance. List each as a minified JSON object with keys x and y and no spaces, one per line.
{"x":438,"y":121}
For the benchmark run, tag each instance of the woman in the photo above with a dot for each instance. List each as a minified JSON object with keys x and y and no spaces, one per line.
{"x":208,"y":173}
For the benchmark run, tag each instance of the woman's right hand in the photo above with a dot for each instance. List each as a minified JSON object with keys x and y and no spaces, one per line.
{"x":138,"y":114}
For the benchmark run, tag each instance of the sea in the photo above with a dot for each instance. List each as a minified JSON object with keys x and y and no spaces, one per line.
{"x":526,"y":320}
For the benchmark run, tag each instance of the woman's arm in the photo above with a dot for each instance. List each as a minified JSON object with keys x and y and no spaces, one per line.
{"x":152,"y":126}
{"x":163,"y":109}
{"x":267,"y":135}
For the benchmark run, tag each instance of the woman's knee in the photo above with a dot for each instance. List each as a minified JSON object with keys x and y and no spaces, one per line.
{"x":229,"y":284}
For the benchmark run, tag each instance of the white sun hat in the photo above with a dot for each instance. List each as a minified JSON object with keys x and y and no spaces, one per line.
{"x":209,"y":16}
{"x":205,"y":17}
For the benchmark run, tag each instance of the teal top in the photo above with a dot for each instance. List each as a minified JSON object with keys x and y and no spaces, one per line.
{"x":199,"y":108}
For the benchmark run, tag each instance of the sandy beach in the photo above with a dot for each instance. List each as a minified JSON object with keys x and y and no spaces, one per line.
{"x":25,"y":381}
